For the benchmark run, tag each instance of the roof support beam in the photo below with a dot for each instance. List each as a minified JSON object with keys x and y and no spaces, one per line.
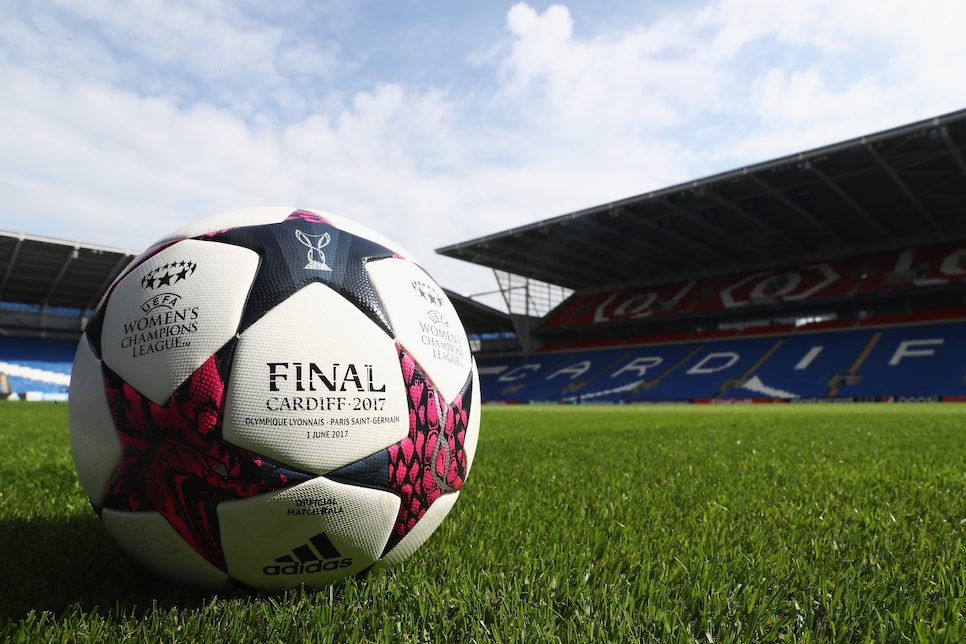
{"x":657,"y":249}
{"x":724,"y":203}
{"x":791,"y":205}
{"x":9,"y":270}
{"x":122,"y":261}
{"x":903,"y":188}
{"x":954,"y":151}
{"x":60,"y":274}
{"x":715,"y":230}
{"x":852,"y":203}
{"x":573,"y":276}
{"x":639,"y":246}
{"x":681,"y":239}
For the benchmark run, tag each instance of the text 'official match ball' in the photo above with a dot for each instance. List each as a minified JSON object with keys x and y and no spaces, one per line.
{"x":273,"y":396}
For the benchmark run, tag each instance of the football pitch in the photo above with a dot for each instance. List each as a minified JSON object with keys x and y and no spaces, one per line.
{"x":691,"y":523}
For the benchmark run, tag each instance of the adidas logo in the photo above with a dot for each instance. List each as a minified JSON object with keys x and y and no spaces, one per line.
{"x":318,"y":555}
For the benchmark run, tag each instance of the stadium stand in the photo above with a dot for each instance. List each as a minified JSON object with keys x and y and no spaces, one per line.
{"x":803,"y":366}
{"x":920,"y":361}
{"x":48,"y":288}
{"x":35,"y":367}
{"x":832,"y":274}
{"x":860,"y":364}
{"x":871,"y":275}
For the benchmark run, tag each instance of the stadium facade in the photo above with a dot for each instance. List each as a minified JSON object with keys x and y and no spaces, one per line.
{"x":833,"y":274}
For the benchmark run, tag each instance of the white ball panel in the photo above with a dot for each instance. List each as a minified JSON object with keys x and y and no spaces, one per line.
{"x":315,"y":384}
{"x":93,"y":438}
{"x":422,"y":531}
{"x":315,"y":533}
{"x":473,"y":422}
{"x":156,"y":334}
{"x":272,"y":215}
{"x":425,"y":323}
{"x":150,"y":539}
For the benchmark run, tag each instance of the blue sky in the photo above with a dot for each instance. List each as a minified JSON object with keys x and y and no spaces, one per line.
{"x":434,"y":122}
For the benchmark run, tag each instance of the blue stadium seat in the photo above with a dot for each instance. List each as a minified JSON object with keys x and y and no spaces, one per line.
{"x":705,"y":373}
{"x":637,"y":369}
{"x":501,"y":379}
{"x":915,"y":361}
{"x":925,"y":360}
{"x":36,"y":364}
{"x":541,"y":377}
{"x":803,"y":366}
{"x":568,"y":376}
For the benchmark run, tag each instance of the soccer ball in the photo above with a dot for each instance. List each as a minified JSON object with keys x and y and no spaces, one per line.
{"x":274,"y":397}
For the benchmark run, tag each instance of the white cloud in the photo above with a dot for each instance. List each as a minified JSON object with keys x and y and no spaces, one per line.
{"x":735,"y":81}
{"x":203,"y":51}
{"x":121,"y":122}
{"x":621,"y":85}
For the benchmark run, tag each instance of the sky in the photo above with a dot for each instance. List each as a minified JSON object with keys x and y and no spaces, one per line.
{"x":434,"y":122}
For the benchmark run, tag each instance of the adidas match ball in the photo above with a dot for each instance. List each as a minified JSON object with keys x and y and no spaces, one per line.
{"x":274,"y":397}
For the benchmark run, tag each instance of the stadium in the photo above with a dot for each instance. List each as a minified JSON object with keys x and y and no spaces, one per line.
{"x":835,"y":275}
{"x":832,"y":274}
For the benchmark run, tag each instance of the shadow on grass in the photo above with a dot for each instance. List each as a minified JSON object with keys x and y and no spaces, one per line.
{"x":65,"y":564}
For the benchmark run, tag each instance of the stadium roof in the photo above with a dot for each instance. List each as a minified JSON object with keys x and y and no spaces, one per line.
{"x":70,"y":277}
{"x":901,"y":187}
{"x":479,"y":318}
{"x":48,"y":272}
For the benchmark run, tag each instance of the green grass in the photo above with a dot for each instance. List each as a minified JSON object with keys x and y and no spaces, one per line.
{"x":724,"y":524}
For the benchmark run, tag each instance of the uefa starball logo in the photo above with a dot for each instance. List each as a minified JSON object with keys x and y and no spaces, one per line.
{"x":165,"y":276}
{"x":168,"y":274}
{"x":428,"y":292}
